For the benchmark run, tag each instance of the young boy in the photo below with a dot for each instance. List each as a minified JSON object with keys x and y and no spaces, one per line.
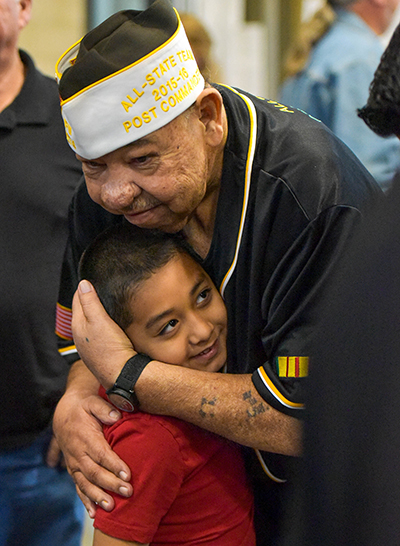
{"x":190,"y":486}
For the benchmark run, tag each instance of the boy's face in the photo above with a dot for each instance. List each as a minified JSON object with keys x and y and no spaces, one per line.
{"x":179,"y":317}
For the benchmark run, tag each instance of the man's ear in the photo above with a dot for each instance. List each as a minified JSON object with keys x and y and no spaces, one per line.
{"x":212,"y":115}
{"x":25,"y":11}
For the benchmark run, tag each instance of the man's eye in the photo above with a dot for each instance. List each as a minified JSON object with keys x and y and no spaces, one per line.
{"x":169,"y":327}
{"x":91,"y":164}
{"x":141,"y":160}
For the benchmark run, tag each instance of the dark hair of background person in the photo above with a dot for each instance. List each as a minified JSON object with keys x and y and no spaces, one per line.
{"x":382,"y":111}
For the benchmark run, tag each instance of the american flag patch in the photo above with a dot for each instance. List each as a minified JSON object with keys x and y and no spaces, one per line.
{"x":292,"y":366}
{"x":63,"y":322}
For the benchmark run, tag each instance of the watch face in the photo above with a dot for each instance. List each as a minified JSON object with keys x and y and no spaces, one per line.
{"x":121,"y":402}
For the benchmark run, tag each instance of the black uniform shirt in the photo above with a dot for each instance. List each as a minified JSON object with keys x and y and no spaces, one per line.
{"x":290,"y":195}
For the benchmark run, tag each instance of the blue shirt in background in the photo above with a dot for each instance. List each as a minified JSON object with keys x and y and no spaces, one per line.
{"x":335,"y":83}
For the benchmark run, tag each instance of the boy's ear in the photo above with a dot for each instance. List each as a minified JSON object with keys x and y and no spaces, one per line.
{"x":212,"y":115}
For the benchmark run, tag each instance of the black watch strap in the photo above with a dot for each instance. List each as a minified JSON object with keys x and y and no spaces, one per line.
{"x":122,"y":393}
{"x":131,"y":371}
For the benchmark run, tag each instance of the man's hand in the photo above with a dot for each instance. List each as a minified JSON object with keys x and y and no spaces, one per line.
{"x":89,"y":459}
{"x":54,"y":456}
{"x":101,"y":343}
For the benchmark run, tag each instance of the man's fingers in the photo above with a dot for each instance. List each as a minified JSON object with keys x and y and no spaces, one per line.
{"x":103,"y":411}
{"x":92,"y":495}
{"x":88,"y":455}
{"x":90,"y":506}
{"x":101,"y":470}
{"x":97,"y":479}
{"x":86,"y":304}
{"x":103,"y":467}
{"x":101,"y":343}
{"x":98,"y":462}
{"x":104,"y":500}
{"x":89,"y":302}
{"x":54,"y":455}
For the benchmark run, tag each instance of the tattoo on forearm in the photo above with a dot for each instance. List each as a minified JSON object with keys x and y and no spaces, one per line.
{"x":256,"y":407}
{"x":206,"y":408}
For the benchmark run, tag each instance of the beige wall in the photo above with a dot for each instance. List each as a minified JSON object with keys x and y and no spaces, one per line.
{"x":55,"y":26}
{"x":290,"y":18}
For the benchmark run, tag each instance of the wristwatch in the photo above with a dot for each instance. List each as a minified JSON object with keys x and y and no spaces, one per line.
{"x":122,"y":393}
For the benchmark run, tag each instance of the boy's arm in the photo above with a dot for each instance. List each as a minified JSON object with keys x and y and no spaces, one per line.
{"x":100,"y":539}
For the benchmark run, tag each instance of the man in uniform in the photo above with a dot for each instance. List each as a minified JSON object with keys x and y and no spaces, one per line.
{"x":267,"y":196}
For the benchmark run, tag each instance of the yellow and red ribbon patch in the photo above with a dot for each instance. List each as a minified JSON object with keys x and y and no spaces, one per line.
{"x":292,"y":366}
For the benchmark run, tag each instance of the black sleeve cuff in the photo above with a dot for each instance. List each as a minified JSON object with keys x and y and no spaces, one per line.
{"x":284,"y":396}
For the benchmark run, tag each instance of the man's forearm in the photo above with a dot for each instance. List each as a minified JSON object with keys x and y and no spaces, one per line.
{"x":81,"y":378}
{"x":226,"y":404}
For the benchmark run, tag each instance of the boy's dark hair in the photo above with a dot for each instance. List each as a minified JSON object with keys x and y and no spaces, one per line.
{"x":123,"y":256}
{"x":382,"y":111}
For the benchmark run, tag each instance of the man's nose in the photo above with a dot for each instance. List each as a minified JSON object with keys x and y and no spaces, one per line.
{"x":119,"y":192}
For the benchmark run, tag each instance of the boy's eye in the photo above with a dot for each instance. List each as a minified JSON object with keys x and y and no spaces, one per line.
{"x":204,"y":295}
{"x":169,"y":327}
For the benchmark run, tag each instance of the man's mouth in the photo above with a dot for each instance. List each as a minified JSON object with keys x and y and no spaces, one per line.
{"x":141,"y":213}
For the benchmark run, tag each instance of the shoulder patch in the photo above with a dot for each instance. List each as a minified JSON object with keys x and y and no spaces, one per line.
{"x":63,"y":322}
{"x":292,"y":366}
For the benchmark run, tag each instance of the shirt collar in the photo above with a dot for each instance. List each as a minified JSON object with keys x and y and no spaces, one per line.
{"x":351,"y":18}
{"x":30,"y":106}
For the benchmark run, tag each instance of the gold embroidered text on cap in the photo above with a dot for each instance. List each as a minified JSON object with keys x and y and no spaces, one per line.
{"x":134,"y":101}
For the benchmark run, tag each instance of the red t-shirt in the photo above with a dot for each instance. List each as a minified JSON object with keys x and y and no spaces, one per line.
{"x":189,"y":485}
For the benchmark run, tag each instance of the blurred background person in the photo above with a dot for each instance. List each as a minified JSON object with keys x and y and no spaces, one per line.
{"x":201,"y":43}
{"x":38,"y":173}
{"x":329,"y":70}
{"x":352,"y":440}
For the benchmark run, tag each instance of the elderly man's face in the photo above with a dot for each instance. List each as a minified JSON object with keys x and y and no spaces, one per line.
{"x":156,"y":182}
